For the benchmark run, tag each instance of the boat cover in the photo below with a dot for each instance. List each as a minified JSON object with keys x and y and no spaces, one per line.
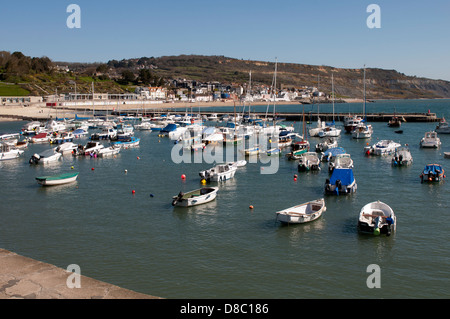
{"x":334,"y":151}
{"x":432,"y":169}
{"x":345,"y":175}
{"x":169,"y":128}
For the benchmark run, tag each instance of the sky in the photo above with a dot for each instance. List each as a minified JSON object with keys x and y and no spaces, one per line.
{"x":413,"y":37}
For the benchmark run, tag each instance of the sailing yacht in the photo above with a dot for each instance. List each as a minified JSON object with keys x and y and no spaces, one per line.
{"x":363,"y":130}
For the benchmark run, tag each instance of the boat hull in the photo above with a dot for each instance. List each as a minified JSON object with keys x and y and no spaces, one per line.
{"x":57,"y":179}
{"x":197,"y":197}
{"x":303,"y":213}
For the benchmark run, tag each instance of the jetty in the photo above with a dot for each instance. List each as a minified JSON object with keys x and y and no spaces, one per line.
{"x":26,"y":278}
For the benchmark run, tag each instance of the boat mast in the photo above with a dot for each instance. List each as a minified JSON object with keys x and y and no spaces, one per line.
{"x":93,"y":105}
{"x":332,"y":89}
{"x":364,"y":105}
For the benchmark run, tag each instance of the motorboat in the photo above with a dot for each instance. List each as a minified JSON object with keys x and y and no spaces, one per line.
{"x":331,"y":152}
{"x":446,"y":154}
{"x":107,"y":133}
{"x":196,"y":197}
{"x":31,"y":128}
{"x":124,"y":131}
{"x":66,"y":148}
{"x":109,"y":151}
{"x":341,"y":181}
{"x":351,"y":122}
{"x":442,"y":127}
{"x":330,"y":131}
{"x":131,"y":141}
{"x":57,"y":179}
{"x":395,"y":122}
{"x":219,"y":173}
{"x":79,"y":132}
{"x":43,"y":137}
{"x":298,"y":148}
{"x":383,"y":147}
{"x":8,"y":152}
{"x":62,"y":137}
{"x":91,"y":148}
{"x":309,"y":161}
{"x":302,"y":213}
{"x":432,"y":173}
{"x":326,"y":144}
{"x":46,"y":157}
{"x":377,"y":218}
{"x":362,"y":131}
{"x":402,"y":156}
{"x":430,"y":140}
{"x":340,"y":161}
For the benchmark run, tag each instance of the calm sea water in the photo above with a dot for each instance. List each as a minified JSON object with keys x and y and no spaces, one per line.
{"x":223,"y":249}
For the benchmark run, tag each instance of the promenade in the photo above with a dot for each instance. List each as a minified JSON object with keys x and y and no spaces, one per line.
{"x":26,"y":278}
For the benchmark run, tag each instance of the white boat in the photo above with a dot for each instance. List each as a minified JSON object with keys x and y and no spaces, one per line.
{"x":91,"y":147}
{"x":213,"y":117}
{"x":302,"y":213}
{"x":57,"y":179}
{"x":46,"y":157}
{"x":55,"y":126}
{"x":430,"y":140}
{"x":340,"y":161}
{"x":31,"y":128}
{"x":43,"y":137}
{"x":342,"y":181}
{"x":79,"y":132}
{"x":442,"y":127}
{"x":131,"y":141}
{"x":377,"y":218}
{"x":66,"y":148}
{"x":383,"y":147}
{"x":109,"y":151}
{"x":219,"y":173}
{"x":8,"y":136}
{"x":62,"y":137}
{"x":309,"y":161}
{"x":330,"y":131}
{"x":144,"y":126}
{"x":314,"y":132}
{"x":8,"y":152}
{"x":107,"y":133}
{"x":351,"y":122}
{"x":251,"y":151}
{"x":402,"y":157}
{"x":326,"y":144}
{"x":124,"y":131}
{"x":447,"y":154}
{"x":196,"y":197}
{"x":362,"y":131}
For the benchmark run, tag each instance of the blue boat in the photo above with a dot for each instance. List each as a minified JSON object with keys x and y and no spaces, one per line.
{"x":342,"y":181}
{"x":130,"y":141}
{"x":432,"y":173}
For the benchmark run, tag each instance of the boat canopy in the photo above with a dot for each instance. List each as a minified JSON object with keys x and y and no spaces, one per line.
{"x":432,"y":169}
{"x":169,"y":128}
{"x":208,"y":130}
{"x":345,"y":175}
{"x":334,"y":151}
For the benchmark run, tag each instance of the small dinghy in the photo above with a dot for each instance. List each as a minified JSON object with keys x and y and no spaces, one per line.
{"x":302,"y":213}
{"x":57,"y":179}
{"x":377,"y":218}
{"x":196,"y":197}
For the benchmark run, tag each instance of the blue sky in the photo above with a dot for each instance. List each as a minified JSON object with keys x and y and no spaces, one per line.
{"x":413,"y":38}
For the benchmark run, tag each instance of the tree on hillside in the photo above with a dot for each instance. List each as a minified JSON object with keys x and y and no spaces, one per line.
{"x":127,"y":77}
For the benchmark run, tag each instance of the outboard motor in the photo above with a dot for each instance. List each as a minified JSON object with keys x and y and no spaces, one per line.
{"x":35,"y":159}
{"x":177,"y":198}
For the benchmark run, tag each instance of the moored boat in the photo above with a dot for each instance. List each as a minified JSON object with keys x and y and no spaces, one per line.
{"x":340,"y":161}
{"x":219,"y":173}
{"x":341,"y":181}
{"x":309,"y":161}
{"x":432,"y":173}
{"x":443,"y":127}
{"x":402,"y":156}
{"x":430,"y":140}
{"x":383,"y":147}
{"x":46,"y":157}
{"x":8,"y":152}
{"x":302,"y":213}
{"x":377,"y":218}
{"x":196,"y":197}
{"x":57,"y":179}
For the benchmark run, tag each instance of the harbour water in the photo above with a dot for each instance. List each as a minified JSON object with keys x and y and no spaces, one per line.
{"x":224,"y":249}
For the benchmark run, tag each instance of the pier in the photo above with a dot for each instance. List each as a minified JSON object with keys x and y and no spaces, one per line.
{"x":26,"y":278}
